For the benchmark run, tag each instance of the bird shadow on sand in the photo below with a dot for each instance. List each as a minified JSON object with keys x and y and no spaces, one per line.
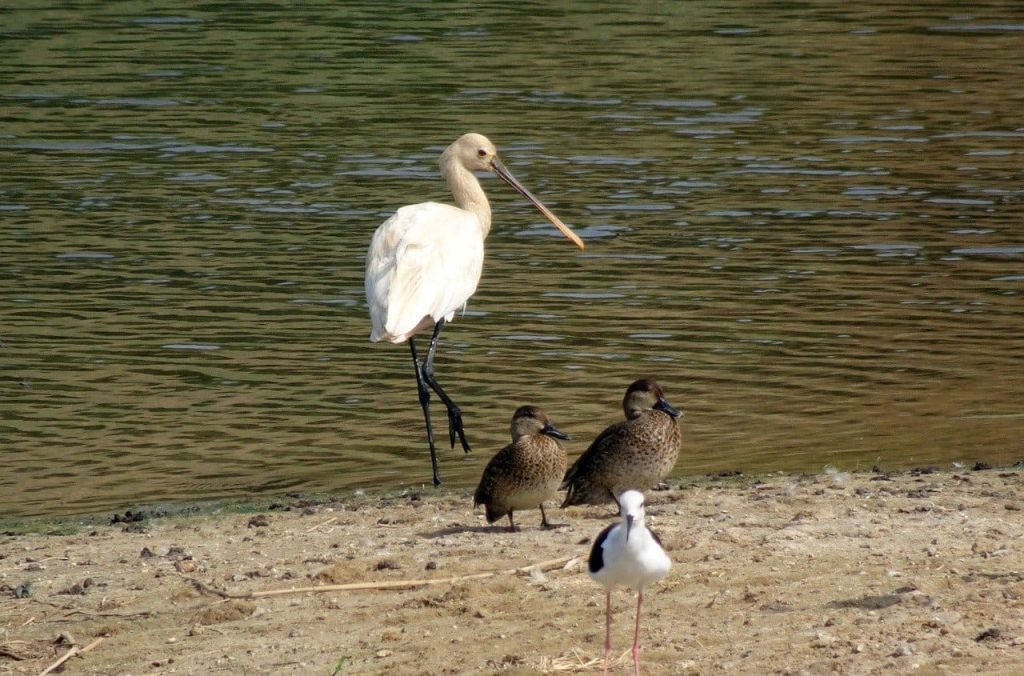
{"x":457,"y":528}
{"x":496,"y":529}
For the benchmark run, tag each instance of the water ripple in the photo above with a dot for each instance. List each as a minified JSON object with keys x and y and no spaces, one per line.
{"x":816,"y":251}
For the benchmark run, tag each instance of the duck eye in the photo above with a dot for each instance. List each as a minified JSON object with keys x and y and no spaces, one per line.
{"x":482,"y":152}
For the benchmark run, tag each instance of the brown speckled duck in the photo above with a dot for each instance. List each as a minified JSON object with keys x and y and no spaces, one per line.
{"x":526,"y":472}
{"x":637,"y":453}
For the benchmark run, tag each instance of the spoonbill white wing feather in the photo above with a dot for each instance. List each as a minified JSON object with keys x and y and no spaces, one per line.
{"x":424,"y":264}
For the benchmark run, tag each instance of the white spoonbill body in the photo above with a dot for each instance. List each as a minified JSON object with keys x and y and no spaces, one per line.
{"x":425,"y":261}
{"x":627,"y":554}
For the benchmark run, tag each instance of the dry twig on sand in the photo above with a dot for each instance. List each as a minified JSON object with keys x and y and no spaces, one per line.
{"x":7,"y":652}
{"x":321,"y":525}
{"x":386,"y":584}
{"x":72,"y":651}
{"x":576,"y":663}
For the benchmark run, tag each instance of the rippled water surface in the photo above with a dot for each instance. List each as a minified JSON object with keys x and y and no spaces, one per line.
{"x":805,"y":220}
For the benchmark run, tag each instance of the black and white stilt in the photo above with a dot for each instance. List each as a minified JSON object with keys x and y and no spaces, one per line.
{"x":627,"y":554}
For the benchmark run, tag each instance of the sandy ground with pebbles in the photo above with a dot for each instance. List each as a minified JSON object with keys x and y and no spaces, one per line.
{"x":858,"y":574}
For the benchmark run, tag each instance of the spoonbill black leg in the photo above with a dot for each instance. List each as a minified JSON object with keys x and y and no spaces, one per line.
{"x":424,"y":395}
{"x":454,"y":412}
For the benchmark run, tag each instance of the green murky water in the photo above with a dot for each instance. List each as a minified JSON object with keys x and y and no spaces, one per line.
{"x":805,"y":220}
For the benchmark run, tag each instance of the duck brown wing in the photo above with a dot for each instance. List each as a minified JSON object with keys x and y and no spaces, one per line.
{"x":592,"y":458}
{"x":483,"y":490}
{"x":491,"y":476}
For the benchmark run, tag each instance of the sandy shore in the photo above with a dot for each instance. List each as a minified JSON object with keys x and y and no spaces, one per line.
{"x":853,"y":574}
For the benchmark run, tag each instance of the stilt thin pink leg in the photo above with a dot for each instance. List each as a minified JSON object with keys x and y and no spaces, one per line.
{"x":607,"y":629}
{"x":636,"y":635}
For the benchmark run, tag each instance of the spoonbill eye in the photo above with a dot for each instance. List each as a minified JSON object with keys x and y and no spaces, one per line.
{"x":482,"y":152}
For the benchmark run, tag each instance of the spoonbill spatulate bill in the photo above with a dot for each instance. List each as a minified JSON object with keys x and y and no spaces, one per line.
{"x":425,"y":261}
